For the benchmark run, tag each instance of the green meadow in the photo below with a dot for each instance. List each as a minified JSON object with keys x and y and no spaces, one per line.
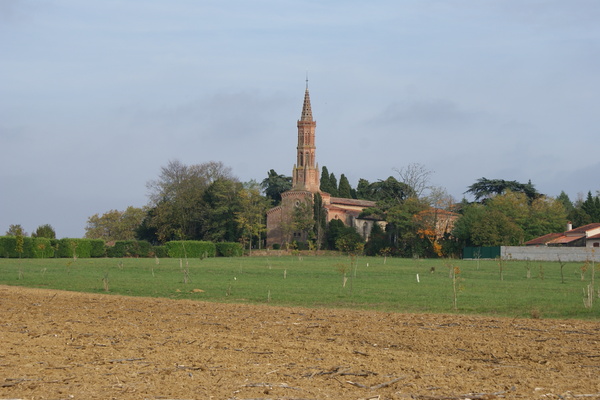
{"x":530,"y":290}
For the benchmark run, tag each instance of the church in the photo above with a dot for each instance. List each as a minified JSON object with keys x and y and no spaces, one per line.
{"x":305,"y":184}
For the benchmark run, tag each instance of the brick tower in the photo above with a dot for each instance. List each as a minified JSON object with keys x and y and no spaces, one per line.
{"x":305,"y":175}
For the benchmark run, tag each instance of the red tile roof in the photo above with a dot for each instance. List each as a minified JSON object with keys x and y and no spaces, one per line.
{"x":543,"y":239}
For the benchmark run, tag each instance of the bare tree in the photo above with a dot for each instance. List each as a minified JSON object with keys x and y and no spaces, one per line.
{"x":416,"y":176}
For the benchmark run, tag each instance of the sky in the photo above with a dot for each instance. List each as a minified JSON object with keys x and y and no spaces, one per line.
{"x":97,"y":96}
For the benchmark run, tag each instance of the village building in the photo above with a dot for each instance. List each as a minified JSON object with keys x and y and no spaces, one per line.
{"x":281,"y":227}
{"x":583,"y":236}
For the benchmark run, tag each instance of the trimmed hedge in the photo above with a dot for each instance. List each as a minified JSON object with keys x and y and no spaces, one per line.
{"x":68,"y":248}
{"x":159,"y":251}
{"x":129,"y":248}
{"x":32,"y":247}
{"x":229,"y":249}
{"x":98,"y":248}
{"x":190,"y":249}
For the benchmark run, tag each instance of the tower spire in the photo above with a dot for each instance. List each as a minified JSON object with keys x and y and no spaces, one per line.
{"x":305,"y":175}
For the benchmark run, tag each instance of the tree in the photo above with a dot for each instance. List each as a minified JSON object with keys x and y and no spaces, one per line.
{"x":363,"y":191}
{"x":324,"y":183}
{"x":44,"y":231}
{"x":416,"y":176}
{"x":16,"y":230}
{"x":333,"y":185}
{"x":115,"y":225}
{"x":220,"y":205}
{"x":250,"y":216}
{"x":320,"y":218}
{"x":344,"y":188}
{"x":176,"y":198}
{"x":274,"y":184}
{"x":487,"y":188}
{"x":389,"y":192}
{"x":591,"y":206}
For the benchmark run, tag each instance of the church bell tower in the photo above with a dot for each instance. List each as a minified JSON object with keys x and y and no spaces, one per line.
{"x":306,"y":172}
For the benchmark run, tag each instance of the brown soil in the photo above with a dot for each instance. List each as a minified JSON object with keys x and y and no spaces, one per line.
{"x":63,"y":345}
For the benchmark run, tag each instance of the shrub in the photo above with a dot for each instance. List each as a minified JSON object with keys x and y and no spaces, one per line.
{"x":42,"y":247}
{"x":190,"y":249}
{"x":159,"y":251}
{"x":129,"y":248}
{"x":68,"y":248}
{"x":229,"y":249}
{"x":98,"y":248}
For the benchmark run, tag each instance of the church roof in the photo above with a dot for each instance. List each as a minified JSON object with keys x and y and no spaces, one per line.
{"x":306,"y":110}
{"x":352,"y":202}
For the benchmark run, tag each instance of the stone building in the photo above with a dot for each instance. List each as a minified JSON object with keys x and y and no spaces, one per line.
{"x":305,"y":184}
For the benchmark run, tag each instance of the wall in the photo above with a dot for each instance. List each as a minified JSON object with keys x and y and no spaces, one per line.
{"x":550,"y":253}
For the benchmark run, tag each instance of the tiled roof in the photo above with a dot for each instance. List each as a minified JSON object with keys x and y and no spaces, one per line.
{"x":564,"y":239}
{"x":352,"y":202}
{"x":594,"y":237}
{"x":543,"y":239}
{"x":584,"y":228}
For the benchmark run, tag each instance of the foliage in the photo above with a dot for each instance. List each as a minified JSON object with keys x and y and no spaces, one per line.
{"x":98,"y":248}
{"x":177,"y":199}
{"x":320,"y":218}
{"x":114,"y":224}
{"x":44,"y":231}
{"x":221,"y":203}
{"x":25,"y":247}
{"x":416,"y":177}
{"x":251,"y":214}
{"x":190,"y":249}
{"x":129,"y":248}
{"x":74,"y":248}
{"x":509,"y":219}
{"x":344,"y":189}
{"x":274,"y":184}
{"x":328,"y":183}
{"x":486,"y":188}
{"x":228,"y":249}
{"x":16,"y":230}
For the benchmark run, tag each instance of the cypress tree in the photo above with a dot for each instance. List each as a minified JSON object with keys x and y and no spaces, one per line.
{"x":325,"y":185}
{"x":344,"y":189}
{"x":333,"y":184}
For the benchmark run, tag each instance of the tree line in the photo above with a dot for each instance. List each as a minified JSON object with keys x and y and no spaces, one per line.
{"x":207,"y":202}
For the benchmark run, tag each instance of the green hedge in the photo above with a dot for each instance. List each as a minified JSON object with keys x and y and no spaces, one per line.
{"x":129,"y":248}
{"x":32,"y":247}
{"x":190,"y":249}
{"x":229,"y":249}
{"x":98,"y":248}
{"x":68,"y":248}
{"x":159,"y":251}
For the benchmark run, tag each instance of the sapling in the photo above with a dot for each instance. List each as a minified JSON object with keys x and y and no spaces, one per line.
{"x":105,"y":282}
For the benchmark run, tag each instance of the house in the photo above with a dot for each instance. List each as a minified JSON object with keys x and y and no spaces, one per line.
{"x":583,"y":236}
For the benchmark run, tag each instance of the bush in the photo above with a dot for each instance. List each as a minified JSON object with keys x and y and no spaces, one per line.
{"x":129,"y":248}
{"x":98,"y":248}
{"x":190,"y":249}
{"x":69,"y":248}
{"x":42,"y":247}
{"x":229,"y":249}
{"x":159,"y":251}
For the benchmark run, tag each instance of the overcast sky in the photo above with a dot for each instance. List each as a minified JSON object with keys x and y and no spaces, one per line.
{"x":96,"y":96}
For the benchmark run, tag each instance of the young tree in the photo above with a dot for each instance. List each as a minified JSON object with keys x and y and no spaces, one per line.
{"x":250,"y":216}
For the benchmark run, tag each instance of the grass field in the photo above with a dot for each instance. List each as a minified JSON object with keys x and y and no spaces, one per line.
{"x":311,"y":281}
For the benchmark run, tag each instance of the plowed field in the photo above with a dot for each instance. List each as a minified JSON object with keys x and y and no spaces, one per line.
{"x":65,"y":345}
